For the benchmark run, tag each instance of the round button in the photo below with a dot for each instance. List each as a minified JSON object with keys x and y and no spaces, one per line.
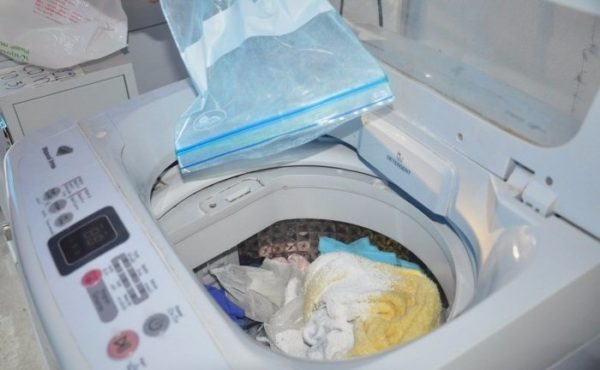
{"x":123,"y":344}
{"x":57,"y":205}
{"x":51,"y":193}
{"x":63,"y":219}
{"x":156,"y":324}
{"x":91,"y":278}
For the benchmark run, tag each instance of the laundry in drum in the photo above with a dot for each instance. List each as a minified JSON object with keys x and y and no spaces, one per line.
{"x":270,"y":75}
{"x":354,"y":307}
{"x":342,"y":305}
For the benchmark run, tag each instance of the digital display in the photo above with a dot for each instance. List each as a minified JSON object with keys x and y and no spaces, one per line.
{"x":88,"y":238}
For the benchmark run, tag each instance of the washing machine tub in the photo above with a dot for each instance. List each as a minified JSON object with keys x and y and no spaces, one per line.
{"x":207,"y":217}
{"x":221,"y":215}
{"x":205,"y":223}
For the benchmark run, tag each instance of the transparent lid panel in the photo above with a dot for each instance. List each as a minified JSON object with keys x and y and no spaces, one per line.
{"x":532,"y":67}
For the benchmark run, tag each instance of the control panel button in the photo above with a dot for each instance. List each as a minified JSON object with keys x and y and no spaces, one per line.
{"x":156,"y":324}
{"x":51,"y":193}
{"x":63,"y":219}
{"x":130,"y":279}
{"x":91,"y":278}
{"x":123,"y":344}
{"x":57,"y":205}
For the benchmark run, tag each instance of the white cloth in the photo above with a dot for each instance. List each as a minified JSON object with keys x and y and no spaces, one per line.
{"x":327,"y":337}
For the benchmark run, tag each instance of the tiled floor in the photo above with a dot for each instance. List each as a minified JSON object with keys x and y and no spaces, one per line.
{"x":18,"y":346}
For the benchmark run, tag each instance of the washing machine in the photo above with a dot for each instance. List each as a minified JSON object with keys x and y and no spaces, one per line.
{"x":108,"y":235}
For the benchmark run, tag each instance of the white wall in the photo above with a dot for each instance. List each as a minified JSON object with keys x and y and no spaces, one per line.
{"x":156,"y":61}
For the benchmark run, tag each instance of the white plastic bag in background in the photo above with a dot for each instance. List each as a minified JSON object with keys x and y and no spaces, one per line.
{"x":61,"y":33}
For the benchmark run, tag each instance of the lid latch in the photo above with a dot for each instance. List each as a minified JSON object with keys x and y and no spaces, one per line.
{"x":531,"y":192}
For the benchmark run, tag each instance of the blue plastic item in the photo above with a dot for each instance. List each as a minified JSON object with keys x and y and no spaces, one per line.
{"x":270,"y":75}
{"x":236,"y":313}
{"x":364,"y":248}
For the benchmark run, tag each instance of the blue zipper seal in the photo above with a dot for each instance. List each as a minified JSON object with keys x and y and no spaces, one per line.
{"x":269,"y":121}
{"x":387,"y":98}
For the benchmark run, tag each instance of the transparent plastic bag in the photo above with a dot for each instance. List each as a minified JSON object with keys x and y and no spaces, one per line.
{"x":270,"y":74}
{"x":284,"y":329}
{"x":261,"y":291}
{"x":258,"y":291}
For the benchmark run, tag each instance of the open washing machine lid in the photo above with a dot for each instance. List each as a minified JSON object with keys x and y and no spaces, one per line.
{"x":557,"y":177}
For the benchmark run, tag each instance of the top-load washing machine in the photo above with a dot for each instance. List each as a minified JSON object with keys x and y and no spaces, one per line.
{"x":107,"y":233}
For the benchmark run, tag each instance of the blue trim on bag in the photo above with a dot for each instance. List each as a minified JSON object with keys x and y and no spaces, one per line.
{"x":248,"y":146}
{"x":277,"y":136}
{"x":270,"y":120}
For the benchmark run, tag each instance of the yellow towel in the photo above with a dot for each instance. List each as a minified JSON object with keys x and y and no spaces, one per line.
{"x":388,"y":305}
{"x":407,"y":311}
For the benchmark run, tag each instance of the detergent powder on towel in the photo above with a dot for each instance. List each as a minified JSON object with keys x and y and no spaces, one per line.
{"x":354,"y":306}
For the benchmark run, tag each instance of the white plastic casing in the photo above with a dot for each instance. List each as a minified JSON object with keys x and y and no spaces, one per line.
{"x":123,"y":309}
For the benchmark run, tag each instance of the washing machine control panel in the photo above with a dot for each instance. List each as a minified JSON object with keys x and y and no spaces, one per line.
{"x":115,"y":293}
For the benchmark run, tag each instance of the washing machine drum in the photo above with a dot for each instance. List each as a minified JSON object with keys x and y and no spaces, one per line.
{"x":279,"y":212}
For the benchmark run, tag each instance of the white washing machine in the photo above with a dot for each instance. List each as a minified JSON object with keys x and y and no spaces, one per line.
{"x":107,"y":233}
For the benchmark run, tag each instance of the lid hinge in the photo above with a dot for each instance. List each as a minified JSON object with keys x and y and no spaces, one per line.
{"x":531,"y":192}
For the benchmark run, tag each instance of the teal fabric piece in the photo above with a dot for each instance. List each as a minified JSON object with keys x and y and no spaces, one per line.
{"x":364,"y":248}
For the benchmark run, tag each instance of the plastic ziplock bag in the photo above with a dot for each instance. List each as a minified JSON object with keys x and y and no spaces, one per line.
{"x":270,"y":74}
{"x":61,"y":33}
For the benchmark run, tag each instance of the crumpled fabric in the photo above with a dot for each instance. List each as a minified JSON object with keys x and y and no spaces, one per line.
{"x":340,"y":306}
{"x":386,"y":306}
{"x":322,"y":337}
{"x":364,"y":248}
{"x":327,"y":336}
